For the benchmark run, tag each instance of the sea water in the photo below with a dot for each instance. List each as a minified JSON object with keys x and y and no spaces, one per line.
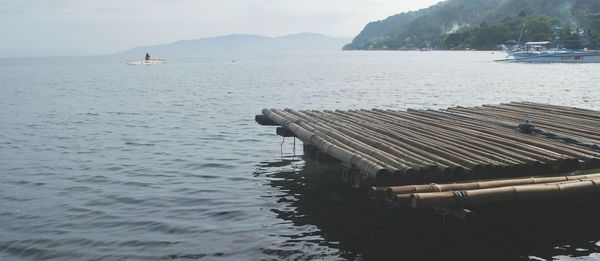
{"x":102,"y":160}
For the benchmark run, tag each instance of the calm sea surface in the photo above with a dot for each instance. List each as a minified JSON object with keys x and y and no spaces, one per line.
{"x":101,"y":160}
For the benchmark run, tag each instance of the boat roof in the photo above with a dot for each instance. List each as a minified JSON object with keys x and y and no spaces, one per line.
{"x":537,"y":43}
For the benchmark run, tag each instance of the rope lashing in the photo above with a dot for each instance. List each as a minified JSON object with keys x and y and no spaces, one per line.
{"x":460,"y":198}
{"x":529,"y":128}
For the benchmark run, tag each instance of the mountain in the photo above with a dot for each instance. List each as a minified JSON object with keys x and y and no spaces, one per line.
{"x":245,"y":42}
{"x":431,"y":27}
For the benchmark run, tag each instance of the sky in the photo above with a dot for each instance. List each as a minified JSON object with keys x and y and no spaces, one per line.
{"x":76,"y":27}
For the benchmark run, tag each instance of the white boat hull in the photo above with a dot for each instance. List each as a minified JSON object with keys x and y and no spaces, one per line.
{"x":567,"y":57}
{"x":146,"y":62}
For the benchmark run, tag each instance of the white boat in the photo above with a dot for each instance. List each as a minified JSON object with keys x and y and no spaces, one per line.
{"x":538,"y":52}
{"x":146,"y":62}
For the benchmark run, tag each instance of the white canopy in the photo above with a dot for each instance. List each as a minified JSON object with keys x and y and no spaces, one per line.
{"x":537,"y":43}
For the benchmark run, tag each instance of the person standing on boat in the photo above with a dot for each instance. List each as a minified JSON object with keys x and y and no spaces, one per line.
{"x":147,"y":57}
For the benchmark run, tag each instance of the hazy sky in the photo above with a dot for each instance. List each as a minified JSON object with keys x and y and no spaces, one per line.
{"x":50,"y":27}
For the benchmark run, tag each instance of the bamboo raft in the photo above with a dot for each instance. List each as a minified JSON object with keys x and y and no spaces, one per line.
{"x":391,"y":151}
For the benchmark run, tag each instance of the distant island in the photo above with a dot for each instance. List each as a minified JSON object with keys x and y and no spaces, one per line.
{"x":245,"y":42}
{"x":484,"y":24}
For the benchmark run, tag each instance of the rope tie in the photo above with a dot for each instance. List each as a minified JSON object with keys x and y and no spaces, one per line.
{"x":460,"y":198}
{"x":294,"y":149}
{"x":281,"y":148}
{"x":527,"y":127}
{"x":435,"y":187}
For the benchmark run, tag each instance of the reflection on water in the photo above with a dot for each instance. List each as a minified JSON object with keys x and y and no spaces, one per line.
{"x":352,"y":227}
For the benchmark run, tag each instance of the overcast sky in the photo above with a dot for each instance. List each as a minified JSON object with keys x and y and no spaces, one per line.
{"x":49,"y":27}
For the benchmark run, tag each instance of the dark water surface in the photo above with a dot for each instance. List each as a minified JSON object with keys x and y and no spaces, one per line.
{"x":100,"y":160}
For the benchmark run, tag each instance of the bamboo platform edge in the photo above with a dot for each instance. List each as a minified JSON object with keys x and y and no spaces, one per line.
{"x":456,"y":157}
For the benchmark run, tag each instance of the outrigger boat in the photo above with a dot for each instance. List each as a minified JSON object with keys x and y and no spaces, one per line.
{"x":147,"y":61}
{"x":539,"y":52}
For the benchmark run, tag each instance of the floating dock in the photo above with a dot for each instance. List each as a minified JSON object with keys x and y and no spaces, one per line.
{"x":384,"y":150}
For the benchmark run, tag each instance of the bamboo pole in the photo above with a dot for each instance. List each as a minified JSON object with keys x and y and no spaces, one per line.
{"x":370,"y":168}
{"x":414,"y":148}
{"x":409,"y":189}
{"x":506,"y":142}
{"x":506,"y":163}
{"x":374,"y":148}
{"x":497,"y":150}
{"x":570,"y":150}
{"x":537,"y":144}
{"x":567,"y":162}
{"x":574,"y":112}
{"x":426,"y":145}
{"x":581,"y":132}
{"x":448,"y":150}
{"x":494,"y":152}
{"x":490,"y":163}
{"x":357,"y":140}
{"x":565,"y":148}
{"x":358,"y":146}
{"x":517,"y":116}
{"x":559,"y":118}
{"x":556,"y":107}
{"x":447,"y":142}
{"x":399,"y":169}
{"x":464,"y":198}
{"x":355,"y":180}
{"x":396,"y":142}
{"x":437,"y":144}
{"x":373,"y":139}
{"x":493,"y":137}
{"x":343,"y":144}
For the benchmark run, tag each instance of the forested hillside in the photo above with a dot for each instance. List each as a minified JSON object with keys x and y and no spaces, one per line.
{"x":483,"y":24}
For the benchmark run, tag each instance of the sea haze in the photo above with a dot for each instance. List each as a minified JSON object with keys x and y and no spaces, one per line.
{"x":101,"y":160}
{"x":245,"y":43}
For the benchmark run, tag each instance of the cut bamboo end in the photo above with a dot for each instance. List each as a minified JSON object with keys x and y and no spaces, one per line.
{"x":264,"y":120}
{"x":377,"y":193}
{"x":401,"y":200}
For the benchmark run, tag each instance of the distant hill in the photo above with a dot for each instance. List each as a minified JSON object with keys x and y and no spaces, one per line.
{"x":245,"y":42}
{"x":431,"y":27}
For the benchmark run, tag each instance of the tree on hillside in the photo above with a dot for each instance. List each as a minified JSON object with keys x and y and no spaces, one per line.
{"x":522,"y":14}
